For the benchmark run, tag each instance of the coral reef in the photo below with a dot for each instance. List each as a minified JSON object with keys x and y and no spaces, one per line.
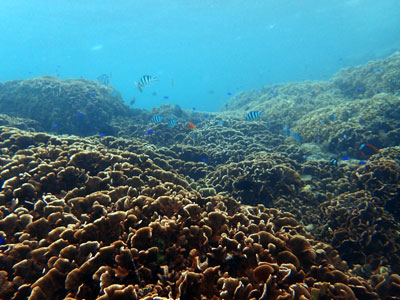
{"x":74,"y":106}
{"x":284,"y":207}
{"x":362,"y":231}
{"x":86,"y":222}
{"x":21,"y":123}
{"x":359,"y":105}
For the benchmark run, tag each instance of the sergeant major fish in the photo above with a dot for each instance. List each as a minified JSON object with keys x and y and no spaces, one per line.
{"x":144,"y":81}
{"x":253,"y":115}
{"x":172,"y":123}
{"x":157,"y":119}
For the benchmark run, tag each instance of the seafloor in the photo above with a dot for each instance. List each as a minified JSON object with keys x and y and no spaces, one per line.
{"x":98,"y":202}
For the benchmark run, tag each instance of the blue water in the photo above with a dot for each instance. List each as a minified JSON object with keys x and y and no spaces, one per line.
{"x":203,"y":52}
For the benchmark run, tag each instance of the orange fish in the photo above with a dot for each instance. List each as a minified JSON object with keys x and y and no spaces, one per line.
{"x":367,"y":150}
{"x":190,"y":125}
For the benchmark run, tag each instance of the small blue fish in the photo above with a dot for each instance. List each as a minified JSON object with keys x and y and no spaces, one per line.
{"x":345,"y":158}
{"x":157,"y":119}
{"x":206,"y":116}
{"x":165,"y":97}
{"x":253,"y":115}
{"x":229,"y":93}
{"x":144,"y":81}
{"x":249,"y":99}
{"x":194,"y":108}
{"x":149,"y":131}
{"x":204,"y":160}
{"x":362,"y":162}
{"x":172,"y":123}
{"x":55,"y":125}
{"x":102,"y":135}
{"x":360,"y":90}
{"x":80,"y":115}
{"x":2,"y":241}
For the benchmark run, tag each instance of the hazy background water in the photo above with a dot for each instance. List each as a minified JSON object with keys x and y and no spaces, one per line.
{"x":202,"y":51}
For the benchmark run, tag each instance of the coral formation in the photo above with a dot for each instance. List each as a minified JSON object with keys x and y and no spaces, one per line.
{"x":234,"y":209}
{"x":74,"y":106}
{"x":359,"y":105}
{"x":95,"y":222}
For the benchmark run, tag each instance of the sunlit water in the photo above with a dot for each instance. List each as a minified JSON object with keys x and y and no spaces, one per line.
{"x":202,"y":52}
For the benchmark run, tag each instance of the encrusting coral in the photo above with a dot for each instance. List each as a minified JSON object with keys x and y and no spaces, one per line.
{"x":235,"y":209}
{"x":111,"y":224}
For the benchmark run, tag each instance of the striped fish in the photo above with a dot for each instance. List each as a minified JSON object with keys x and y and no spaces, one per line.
{"x":144,"y":81}
{"x":253,"y":115}
{"x":156,"y":119}
{"x":172,"y":123}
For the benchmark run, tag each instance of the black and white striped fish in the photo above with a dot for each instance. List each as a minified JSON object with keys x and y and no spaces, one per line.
{"x":172,"y":123}
{"x":144,"y":81}
{"x":157,"y":119}
{"x":253,"y":115}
